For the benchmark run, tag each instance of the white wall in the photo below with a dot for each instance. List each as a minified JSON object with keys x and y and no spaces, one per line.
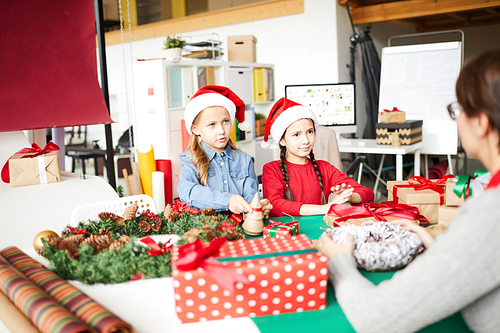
{"x":303,"y":48}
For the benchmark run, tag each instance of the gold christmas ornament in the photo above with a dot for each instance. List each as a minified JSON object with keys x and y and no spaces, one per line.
{"x":37,"y":242}
{"x":254,"y":222}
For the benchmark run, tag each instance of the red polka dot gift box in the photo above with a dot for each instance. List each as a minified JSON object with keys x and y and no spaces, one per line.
{"x":252,"y":277}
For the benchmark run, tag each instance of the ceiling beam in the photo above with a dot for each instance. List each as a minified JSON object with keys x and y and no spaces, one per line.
{"x":415,"y":8}
{"x":493,"y":11}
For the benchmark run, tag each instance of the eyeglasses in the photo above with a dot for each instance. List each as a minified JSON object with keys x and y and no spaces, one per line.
{"x":454,"y":110}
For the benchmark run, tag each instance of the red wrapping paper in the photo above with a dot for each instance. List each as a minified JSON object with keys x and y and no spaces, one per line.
{"x":165,"y":166}
{"x":278,"y":284}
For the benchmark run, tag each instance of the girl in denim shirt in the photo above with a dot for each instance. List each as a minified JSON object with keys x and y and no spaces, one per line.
{"x":214,"y":173}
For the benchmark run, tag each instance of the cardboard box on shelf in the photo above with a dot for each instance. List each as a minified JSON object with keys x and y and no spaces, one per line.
{"x":284,"y":275}
{"x":242,"y":48}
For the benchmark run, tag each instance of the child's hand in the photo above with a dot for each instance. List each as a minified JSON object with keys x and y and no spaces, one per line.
{"x":238,"y":205}
{"x":338,"y":189}
{"x":424,"y":235}
{"x":266,"y":207}
{"x":329,"y":248}
{"x":342,"y":196}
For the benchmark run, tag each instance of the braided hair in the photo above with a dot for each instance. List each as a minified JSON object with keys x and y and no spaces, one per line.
{"x":286,"y":178}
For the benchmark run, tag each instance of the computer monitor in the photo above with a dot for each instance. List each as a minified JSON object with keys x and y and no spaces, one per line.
{"x":333,"y":104}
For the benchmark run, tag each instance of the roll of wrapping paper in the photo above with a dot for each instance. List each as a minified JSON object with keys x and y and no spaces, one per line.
{"x":46,"y":314}
{"x":165,"y":166}
{"x":13,"y":318}
{"x":81,"y":305}
{"x":158,"y":181}
{"x":147,"y":166}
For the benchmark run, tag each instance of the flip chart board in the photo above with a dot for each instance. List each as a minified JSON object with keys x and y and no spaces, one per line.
{"x":420,"y":80}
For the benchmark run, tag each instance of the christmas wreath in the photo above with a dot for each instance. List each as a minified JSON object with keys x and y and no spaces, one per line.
{"x":117,"y":249}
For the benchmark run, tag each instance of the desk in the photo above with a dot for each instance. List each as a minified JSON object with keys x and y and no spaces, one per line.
{"x":370,"y":146}
{"x":149,"y":305}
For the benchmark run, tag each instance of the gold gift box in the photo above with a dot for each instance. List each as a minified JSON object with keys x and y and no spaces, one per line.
{"x":392,"y":117}
{"x":25,"y":171}
{"x":445,"y":215}
{"x":427,"y":201}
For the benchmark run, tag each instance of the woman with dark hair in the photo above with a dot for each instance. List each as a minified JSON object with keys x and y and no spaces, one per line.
{"x":460,"y":270}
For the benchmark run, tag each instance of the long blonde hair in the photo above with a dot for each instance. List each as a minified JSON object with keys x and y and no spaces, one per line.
{"x":199,"y":156}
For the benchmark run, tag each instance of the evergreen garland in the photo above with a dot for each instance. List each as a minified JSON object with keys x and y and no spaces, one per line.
{"x":132,"y":260}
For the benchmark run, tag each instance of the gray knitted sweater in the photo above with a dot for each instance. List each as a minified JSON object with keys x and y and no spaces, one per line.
{"x":459,"y":272}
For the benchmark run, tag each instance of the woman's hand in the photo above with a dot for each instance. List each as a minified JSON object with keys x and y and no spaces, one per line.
{"x":238,"y":205}
{"x":329,"y":248}
{"x":266,"y":207}
{"x":424,"y":235}
{"x":341,"y":196}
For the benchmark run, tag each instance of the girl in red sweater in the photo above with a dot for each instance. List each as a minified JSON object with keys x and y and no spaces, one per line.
{"x":298,"y":184}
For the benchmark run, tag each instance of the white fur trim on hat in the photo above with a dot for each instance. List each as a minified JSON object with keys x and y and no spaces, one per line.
{"x":288,"y":117}
{"x":203,"y":101}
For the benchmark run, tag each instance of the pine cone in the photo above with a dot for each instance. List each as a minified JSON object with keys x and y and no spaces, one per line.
{"x":97,"y":240}
{"x":174,"y":216}
{"x":120,"y":221}
{"x":68,"y":246}
{"x":104,"y":231}
{"x":52,"y":240}
{"x":156,"y":223}
{"x":144,"y":226}
{"x":108,"y":216}
{"x":130,"y":211}
{"x":216,"y":218}
{"x":124,"y":239}
{"x":66,"y":232}
{"x":210,"y":236}
{"x":77,"y":239}
{"x":167,"y":211}
{"x":208,"y":212}
{"x":115,"y":246}
{"x":232,"y":234}
{"x":191,"y":235}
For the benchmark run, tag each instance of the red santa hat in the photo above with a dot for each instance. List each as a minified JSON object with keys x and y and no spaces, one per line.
{"x":213,"y":95}
{"x":284,"y":113}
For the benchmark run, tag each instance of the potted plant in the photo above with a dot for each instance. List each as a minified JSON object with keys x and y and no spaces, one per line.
{"x":260,"y":124}
{"x":174,"y":44}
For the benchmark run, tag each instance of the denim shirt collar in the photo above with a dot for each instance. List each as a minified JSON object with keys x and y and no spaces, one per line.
{"x":211,"y":153}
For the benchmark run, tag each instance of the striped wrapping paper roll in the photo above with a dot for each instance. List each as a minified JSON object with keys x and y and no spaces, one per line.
{"x":81,"y":305}
{"x":46,"y":314}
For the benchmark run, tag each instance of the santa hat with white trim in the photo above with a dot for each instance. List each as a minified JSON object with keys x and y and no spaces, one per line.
{"x":213,"y":95}
{"x":284,"y":113}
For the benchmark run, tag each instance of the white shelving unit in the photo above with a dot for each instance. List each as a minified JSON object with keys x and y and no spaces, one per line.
{"x":162,"y":90}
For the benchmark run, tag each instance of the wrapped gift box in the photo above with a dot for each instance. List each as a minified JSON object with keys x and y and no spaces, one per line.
{"x":409,"y":132}
{"x":393,"y":116}
{"x":427,"y":201}
{"x":451,"y":199}
{"x":445,"y":215}
{"x":41,"y":169}
{"x":339,"y":215}
{"x":477,"y":184}
{"x":285,"y":274}
{"x":280,"y":230}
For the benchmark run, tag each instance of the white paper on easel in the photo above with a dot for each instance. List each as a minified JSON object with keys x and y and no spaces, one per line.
{"x":158,"y":182}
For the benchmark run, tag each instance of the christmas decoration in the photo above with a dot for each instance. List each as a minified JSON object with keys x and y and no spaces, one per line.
{"x":254,"y":223}
{"x":37,"y":242}
{"x":130,"y":211}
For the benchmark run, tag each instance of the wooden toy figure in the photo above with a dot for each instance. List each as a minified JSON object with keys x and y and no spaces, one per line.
{"x":254,"y":222}
{"x":395,"y":139}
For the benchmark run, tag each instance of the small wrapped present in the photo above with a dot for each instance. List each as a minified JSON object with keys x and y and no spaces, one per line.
{"x":445,"y":215}
{"x":251,"y":277}
{"x":31,"y":166}
{"x":339,"y":214}
{"x":278,"y":229}
{"x":392,"y":116}
{"x":426,"y":195}
{"x":409,"y":132}
{"x":461,"y":187}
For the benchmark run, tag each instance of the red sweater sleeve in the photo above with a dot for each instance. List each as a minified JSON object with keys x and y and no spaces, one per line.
{"x":335,"y":177}
{"x":274,"y":190}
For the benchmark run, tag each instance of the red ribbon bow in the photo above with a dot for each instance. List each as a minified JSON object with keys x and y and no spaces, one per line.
{"x":393,"y":109}
{"x":424,"y":184}
{"x":156,"y":250}
{"x":377,"y":211}
{"x":236,"y":218}
{"x":51,"y":146}
{"x":197,"y":254}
